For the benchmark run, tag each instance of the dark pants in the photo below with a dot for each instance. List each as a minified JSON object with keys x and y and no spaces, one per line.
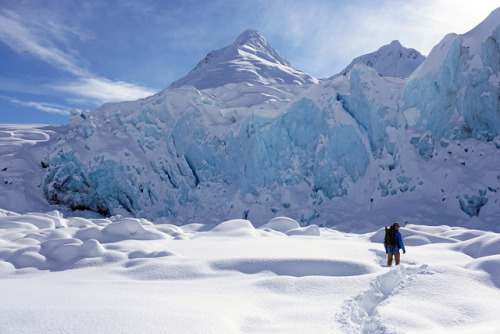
{"x":389,"y":258}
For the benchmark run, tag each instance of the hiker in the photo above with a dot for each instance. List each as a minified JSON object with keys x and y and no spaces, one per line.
{"x":393,"y":243}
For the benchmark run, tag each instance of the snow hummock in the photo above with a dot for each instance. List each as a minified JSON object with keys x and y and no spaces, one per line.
{"x":82,"y":275}
{"x":392,"y":60}
{"x":249,"y":59}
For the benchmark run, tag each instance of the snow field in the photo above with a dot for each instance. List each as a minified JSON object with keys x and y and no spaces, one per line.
{"x":259,"y":141}
{"x":121,"y":274}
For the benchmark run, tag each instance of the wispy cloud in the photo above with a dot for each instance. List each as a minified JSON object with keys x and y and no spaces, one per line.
{"x":104,"y":90}
{"x":42,"y":106}
{"x":329,"y":34}
{"x":49,"y":42}
{"x":28,"y":38}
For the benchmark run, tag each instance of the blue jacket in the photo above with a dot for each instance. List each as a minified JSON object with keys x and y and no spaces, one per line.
{"x":399,"y":243}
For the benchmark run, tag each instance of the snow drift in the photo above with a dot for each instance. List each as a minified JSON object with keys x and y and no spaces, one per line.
{"x":128,"y":274}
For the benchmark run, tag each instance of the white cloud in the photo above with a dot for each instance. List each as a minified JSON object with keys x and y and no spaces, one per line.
{"x":42,"y":106}
{"x":102,"y":90}
{"x":17,"y":35}
{"x":40,"y":42}
{"x":327,"y":35}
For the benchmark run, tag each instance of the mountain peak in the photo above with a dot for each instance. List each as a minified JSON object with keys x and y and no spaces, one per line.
{"x":253,"y":42}
{"x":250,"y":58}
{"x":248,"y":35}
{"x":391,"y":60}
{"x":396,"y":43}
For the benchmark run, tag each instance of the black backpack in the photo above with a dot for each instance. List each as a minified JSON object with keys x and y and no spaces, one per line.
{"x":390,"y":238}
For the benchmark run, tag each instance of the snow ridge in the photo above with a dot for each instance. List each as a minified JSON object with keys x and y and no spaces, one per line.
{"x":392,"y":60}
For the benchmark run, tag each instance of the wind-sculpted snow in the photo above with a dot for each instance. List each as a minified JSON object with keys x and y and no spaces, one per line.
{"x":235,"y":277}
{"x":454,"y":93}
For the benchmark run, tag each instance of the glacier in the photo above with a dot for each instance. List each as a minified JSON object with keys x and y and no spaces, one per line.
{"x":245,"y":135}
{"x":454,"y":93}
{"x":167,"y":152}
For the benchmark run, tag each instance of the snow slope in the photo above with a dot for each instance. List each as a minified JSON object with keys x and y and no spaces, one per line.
{"x":249,"y":59}
{"x":128,"y":275}
{"x":392,"y":60}
{"x":23,"y":148}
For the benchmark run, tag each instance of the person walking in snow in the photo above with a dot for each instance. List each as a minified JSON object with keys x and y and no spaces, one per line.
{"x":393,"y":242}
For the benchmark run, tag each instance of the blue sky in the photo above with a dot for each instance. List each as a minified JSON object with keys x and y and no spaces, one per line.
{"x":61,"y":54}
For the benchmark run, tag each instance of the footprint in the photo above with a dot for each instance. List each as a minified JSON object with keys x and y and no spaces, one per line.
{"x":382,"y":258}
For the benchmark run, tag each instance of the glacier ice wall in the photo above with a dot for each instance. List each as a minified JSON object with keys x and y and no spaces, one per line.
{"x":243,"y":149}
{"x":455,"y":92}
{"x":161,"y":155}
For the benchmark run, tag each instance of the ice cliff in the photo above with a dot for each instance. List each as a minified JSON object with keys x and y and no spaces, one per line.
{"x":245,"y":135}
{"x":455,"y":92}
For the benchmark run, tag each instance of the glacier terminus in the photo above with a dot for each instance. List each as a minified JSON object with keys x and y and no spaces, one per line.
{"x":246,"y":135}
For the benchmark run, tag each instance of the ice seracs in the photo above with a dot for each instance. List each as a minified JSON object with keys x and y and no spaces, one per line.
{"x":454,"y":93}
{"x":249,"y":59}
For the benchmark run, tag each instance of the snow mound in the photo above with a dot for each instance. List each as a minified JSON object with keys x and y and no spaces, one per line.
{"x":485,"y":245}
{"x":311,"y":230}
{"x":139,"y":254}
{"x":414,"y":236}
{"x":64,"y":250}
{"x":127,"y":228}
{"x":294,"y":267}
{"x":234,"y":228}
{"x":489,"y":264}
{"x":233,"y":277}
{"x":281,"y":224}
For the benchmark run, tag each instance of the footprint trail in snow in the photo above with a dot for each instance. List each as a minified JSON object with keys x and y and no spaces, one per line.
{"x":360,"y":313}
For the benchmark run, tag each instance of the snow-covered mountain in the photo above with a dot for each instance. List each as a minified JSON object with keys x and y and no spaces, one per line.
{"x":250,"y":59}
{"x":244,"y":135}
{"x":392,"y":60}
